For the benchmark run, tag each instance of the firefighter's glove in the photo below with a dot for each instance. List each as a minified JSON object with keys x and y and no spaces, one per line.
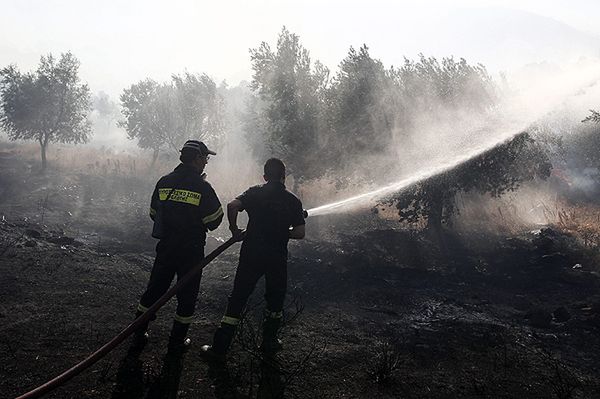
{"x":237,"y":233}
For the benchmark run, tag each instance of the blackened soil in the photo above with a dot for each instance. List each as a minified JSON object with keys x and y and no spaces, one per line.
{"x":373,"y":312}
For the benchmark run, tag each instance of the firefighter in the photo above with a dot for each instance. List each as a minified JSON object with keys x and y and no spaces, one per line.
{"x":183,"y":207}
{"x":274,"y":216}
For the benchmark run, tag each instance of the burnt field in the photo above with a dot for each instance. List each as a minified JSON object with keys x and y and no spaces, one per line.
{"x":373,"y":310}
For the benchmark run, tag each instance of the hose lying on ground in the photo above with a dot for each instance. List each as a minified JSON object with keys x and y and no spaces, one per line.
{"x":100,"y":353}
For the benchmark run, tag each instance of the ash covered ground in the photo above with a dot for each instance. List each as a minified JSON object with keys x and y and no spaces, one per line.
{"x":374,"y":310}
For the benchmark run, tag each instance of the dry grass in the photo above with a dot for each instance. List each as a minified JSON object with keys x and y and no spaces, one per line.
{"x":530,"y":208}
{"x":582,"y":221}
{"x":89,"y":159}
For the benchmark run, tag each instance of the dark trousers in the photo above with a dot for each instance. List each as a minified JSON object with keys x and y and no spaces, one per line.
{"x":254,"y":264}
{"x":174,"y":257}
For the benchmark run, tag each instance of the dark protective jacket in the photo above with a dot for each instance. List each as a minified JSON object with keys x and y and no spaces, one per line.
{"x":272,"y":210}
{"x":189,"y":205}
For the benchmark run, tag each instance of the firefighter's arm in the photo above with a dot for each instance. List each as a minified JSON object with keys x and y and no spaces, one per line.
{"x":298,"y":232}
{"x":154,"y":203}
{"x":233,"y":208}
{"x":213,"y":211}
{"x":213,"y":220}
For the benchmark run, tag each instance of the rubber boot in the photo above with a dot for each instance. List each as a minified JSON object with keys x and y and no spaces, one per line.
{"x":177,"y":339}
{"x":270,"y":343}
{"x":140,"y":336}
{"x":223,"y":338}
{"x":221,"y":343}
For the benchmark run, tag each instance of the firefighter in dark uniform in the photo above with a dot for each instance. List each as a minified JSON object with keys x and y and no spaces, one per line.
{"x":184,"y":206}
{"x":274,"y":216}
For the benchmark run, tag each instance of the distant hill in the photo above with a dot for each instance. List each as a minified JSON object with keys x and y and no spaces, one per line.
{"x":507,"y":38}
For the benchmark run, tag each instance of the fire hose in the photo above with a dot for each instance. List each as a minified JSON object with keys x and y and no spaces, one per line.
{"x":100,"y":353}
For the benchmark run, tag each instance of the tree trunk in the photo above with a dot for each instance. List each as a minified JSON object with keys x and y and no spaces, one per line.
{"x":154,"y":157}
{"x":434,"y":219}
{"x":436,"y":210}
{"x":44,"y":145}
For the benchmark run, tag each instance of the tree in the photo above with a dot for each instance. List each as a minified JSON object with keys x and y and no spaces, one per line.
{"x":361,"y":110}
{"x":199,"y":108}
{"x":105,"y":112}
{"x":374,"y":115}
{"x":584,"y":145}
{"x":594,"y":117}
{"x":497,"y":171}
{"x":139,"y":106}
{"x":105,"y":107}
{"x":428,"y":85}
{"x":290,"y":89}
{"x":48,"y":105}
{"x":165,"y":115}
{"x":441,"y":93}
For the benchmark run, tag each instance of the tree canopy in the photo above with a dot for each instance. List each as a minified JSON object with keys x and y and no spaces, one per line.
{"x":364,"y":123}
{"x":495,"y":172}
{"x":367,"y":118}
{"x":339,"y":125}
{"x":360,"y":108}
{"x":48,"y":105}
{"x":287,"y":116}
{"x":164,"y":115}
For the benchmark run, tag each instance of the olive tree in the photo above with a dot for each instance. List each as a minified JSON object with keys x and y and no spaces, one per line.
{"x":285,"y":116}
{"x":164,"y":115}
{"x":48,"y":105}
{"x":497,"y":171}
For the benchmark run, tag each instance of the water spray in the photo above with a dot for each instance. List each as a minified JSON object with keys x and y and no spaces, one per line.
{"x":409,"y":181}
{"x":585,"y":80}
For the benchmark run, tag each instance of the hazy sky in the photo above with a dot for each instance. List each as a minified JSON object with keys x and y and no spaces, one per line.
{"x":122,"y":42}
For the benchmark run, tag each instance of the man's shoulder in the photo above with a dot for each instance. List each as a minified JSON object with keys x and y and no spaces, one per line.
{"x":292,"y":197}
{"x":205,"y":185}
{"x":191,"y":181}
{"x":164,"y":179}
{"x":254,"y":189}
{"x":198,"y":183}
{"x":175,"y":174}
